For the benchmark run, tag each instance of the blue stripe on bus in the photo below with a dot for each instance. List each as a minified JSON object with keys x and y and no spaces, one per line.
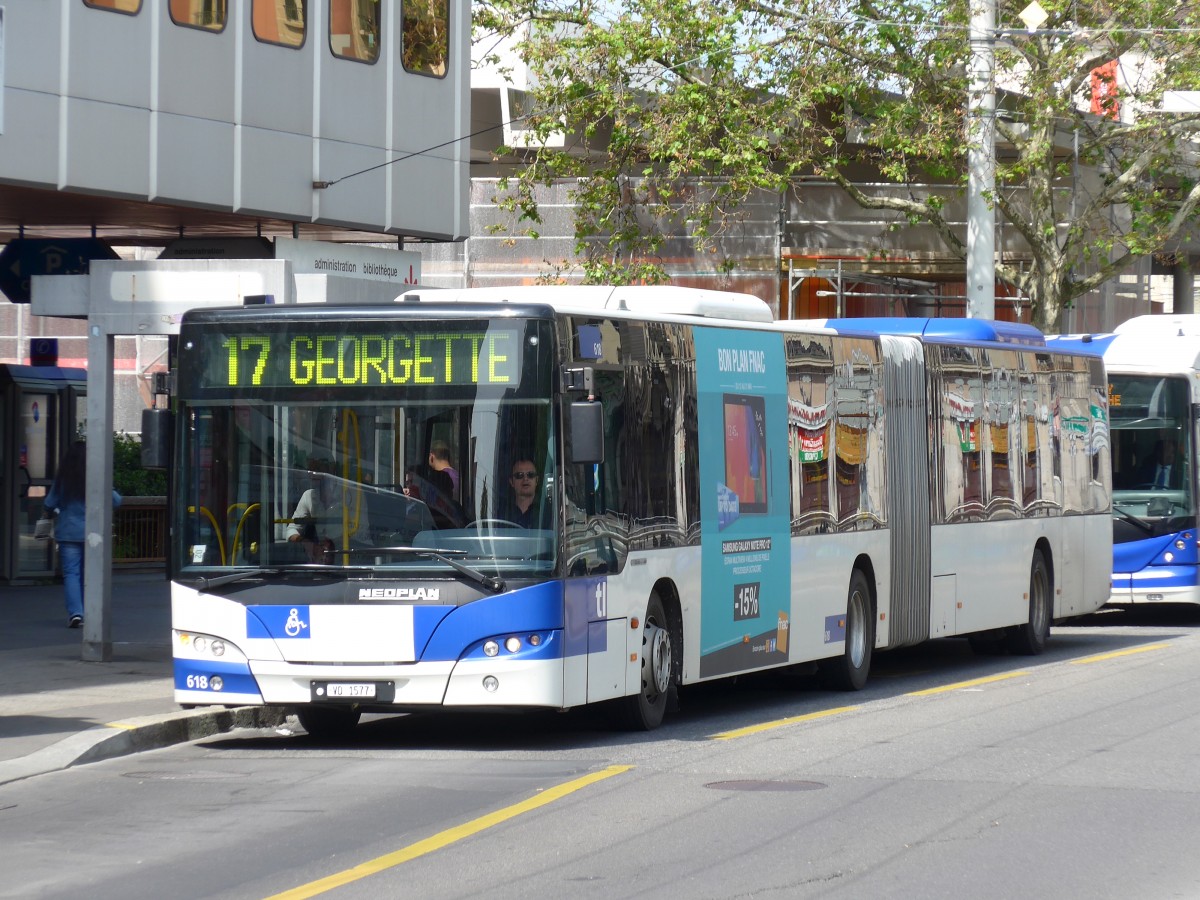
{"x":1083,"y":344}
{"x":585,"y":601}
{"x":549,"y":648}
{"x":536,"y":609}
{"x":278,"y":622}
{"x":236,"y":677}
{"x":979,"y":331}
{"x":1133,"y":556}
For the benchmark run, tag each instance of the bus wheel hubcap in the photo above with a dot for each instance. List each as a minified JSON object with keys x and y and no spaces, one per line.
{"x":659,"y":649}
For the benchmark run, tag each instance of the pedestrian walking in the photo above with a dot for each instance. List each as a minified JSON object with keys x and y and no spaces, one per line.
{"x":67,"y":502}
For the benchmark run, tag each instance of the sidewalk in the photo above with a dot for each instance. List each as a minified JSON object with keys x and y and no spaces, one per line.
{"x":57,"y":711}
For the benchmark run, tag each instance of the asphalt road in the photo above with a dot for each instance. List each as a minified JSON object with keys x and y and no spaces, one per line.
{"x":1067,"y":775}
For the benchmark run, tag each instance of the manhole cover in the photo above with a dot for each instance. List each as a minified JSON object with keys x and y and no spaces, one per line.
{"x":749,"y":785}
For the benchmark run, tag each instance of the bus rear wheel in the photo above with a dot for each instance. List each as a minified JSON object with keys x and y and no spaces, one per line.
{"x":328,"y":721}
{"x":849,"y":671}
{"x":644,"y":710}
{"x":1030,"y":639}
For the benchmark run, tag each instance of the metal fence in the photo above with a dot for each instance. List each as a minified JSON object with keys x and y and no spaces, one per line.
{"x":140,"y":531}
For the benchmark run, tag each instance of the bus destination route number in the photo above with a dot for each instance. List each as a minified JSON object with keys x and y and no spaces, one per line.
{"x":415,"y":359}
{"x":745,"y":601}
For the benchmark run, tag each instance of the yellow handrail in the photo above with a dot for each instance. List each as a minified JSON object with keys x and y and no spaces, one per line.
{"x":238,"y":533}
{"x":348,"y":526}
{"x":216,"y":529}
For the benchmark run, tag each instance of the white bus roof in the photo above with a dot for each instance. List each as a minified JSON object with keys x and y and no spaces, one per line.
{"x":1155,"y":344}
{"x":645,"y":300}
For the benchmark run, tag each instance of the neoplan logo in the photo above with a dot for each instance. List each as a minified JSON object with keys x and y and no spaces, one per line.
{"x":428,"y":594}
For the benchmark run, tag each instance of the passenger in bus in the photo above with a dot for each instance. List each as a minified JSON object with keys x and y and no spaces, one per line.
{"x":439,"y":462}
{"x":331,"y":510}
{"x":525,"y":506}
{"x":436,"y":490}
{"x":1161,"y":469}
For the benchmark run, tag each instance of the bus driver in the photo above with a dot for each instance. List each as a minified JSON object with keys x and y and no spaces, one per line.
{"x":325,"y":510}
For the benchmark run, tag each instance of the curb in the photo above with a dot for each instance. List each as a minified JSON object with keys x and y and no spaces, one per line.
{"x":137,"y":735}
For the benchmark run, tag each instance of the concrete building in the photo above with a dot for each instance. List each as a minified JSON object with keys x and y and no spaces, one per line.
{"x":219,"y":129}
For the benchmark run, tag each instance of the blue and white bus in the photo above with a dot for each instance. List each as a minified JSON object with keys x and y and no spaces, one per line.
{"x":713,"y":493}
{"x":1153,"y":365}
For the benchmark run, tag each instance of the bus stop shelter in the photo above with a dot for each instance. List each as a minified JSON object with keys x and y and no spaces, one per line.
{"x":122,"y":297}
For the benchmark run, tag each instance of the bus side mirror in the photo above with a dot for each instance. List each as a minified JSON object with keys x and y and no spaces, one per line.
{"x":156,"y":439}
{"x":587,"y":432}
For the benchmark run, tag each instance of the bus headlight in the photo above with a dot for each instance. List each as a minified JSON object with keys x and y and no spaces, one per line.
{"x":490,"y":648}
{"x":491,"y":684}
{"x":513,"y":644}
{"x":205,"y":646}
{"x":1169,"y":557}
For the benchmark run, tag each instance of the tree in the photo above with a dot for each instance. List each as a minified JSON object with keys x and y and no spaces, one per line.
{"x":759,"y":94}
{"x":129,"y":478}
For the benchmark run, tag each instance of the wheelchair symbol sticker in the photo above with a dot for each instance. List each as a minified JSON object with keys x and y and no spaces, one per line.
{"x":293,"y":626}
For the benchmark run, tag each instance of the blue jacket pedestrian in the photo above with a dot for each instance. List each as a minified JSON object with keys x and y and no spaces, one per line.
{"x":67,"y":501}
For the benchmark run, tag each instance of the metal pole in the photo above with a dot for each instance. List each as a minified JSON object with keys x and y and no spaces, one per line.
{"x":981,"y":164}
{"x":97,"y":554}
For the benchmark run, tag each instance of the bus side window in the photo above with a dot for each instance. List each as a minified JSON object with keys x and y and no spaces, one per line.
{"x":596,"y":532}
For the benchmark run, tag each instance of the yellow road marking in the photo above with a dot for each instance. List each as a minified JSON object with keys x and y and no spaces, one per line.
{"x":445,"y":838}
{"x":965,"y":684}
{"x":1103,"y":656}
{"x":779,"y":723}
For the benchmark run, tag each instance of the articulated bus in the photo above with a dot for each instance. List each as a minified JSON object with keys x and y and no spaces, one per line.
{"x":706,"y":493}
{"x":1153,"y":365}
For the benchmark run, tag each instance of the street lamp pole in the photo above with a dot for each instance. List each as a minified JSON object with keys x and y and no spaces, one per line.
{"x":981,"y":163}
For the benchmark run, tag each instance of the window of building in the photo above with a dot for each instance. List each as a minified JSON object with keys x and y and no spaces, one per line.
{"x":122,"y":6}
{"x":207,"y":14}
{"x":279,"y":21}
{"x":425,"y":36}
{"x":354,"y":29}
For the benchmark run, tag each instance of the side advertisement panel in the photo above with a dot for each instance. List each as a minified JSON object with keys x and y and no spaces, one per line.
{"x":744,"y":500}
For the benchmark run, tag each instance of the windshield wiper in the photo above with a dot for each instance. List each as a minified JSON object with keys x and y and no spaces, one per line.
{"x":1136,"y":521}
{"x":207,"y":584}
{"x":494,"y":583}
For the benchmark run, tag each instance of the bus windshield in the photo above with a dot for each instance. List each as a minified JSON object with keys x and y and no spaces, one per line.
{"x":438,"y":477}
{"x":1152,"y":453}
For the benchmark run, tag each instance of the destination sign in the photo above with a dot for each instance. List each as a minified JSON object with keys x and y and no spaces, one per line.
{"x":256,"y":359}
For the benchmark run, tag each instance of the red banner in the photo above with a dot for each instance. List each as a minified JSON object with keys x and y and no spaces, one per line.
{"x":1105,"y":97}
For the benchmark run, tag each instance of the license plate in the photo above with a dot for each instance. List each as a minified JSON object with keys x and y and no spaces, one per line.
{"x":353,"y":691}
{"x":348,"y":691}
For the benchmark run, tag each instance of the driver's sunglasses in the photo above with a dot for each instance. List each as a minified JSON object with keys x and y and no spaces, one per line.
{"x":521,"y":476}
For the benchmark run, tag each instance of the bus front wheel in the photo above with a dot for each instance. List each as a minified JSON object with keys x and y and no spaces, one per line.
{"x":1030,"y":639}
{"x":644,"y":710}
{"x":849,"y":671}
